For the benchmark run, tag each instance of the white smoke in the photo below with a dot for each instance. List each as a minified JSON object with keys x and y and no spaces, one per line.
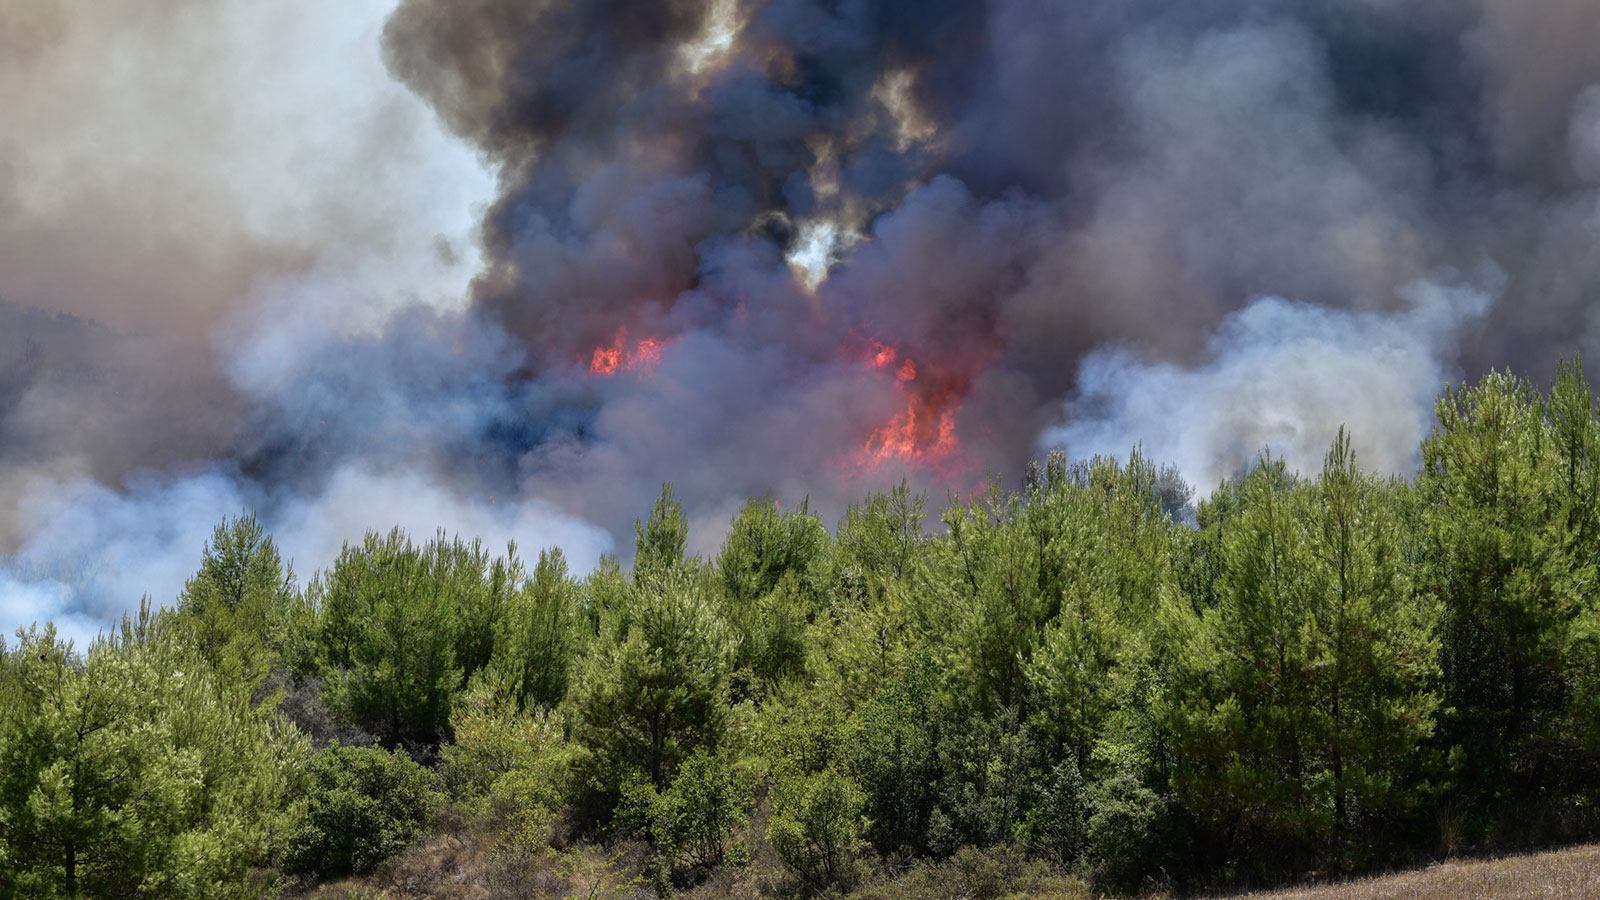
{"x":1284,"y":377}
{"x":92,"y":552}
{"x":250,"y":178}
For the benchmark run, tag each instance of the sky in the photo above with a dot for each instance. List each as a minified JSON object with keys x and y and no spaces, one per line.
{"x":503,"y":268}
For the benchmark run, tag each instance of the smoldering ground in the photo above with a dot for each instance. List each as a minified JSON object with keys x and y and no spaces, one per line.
{"x":794,"y":247}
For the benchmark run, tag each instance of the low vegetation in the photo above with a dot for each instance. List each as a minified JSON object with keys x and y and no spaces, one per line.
{"x":1083,"y":686}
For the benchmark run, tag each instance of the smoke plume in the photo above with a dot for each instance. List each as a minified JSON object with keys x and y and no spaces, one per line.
{"x":1280,"y":378}
{"x":504,"y":267}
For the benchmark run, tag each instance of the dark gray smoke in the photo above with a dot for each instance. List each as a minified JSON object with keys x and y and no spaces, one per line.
{"x":813,"y":247}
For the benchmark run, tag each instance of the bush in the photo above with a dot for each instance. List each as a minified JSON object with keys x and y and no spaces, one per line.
{"x":494,"y":741}
{"x":690,"y":822}
{"x":989,"y":777}
{"x":513,"y":767}
{"x":978,"y":875}
{"x":1123,"y":821}
{"x":361,"y":805}
{"x":1058,"y":823}
{"x":816,"y":826}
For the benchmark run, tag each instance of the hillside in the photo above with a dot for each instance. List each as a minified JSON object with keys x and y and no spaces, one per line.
{"x":457,"y":868}
{"x":1084,"y":680}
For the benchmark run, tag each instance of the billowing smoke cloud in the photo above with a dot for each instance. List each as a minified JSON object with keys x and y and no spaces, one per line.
{"x":796,"y":247}
{"x":1281,"y":377}
{"x":92,"y":553}
{"x":162,"y":164}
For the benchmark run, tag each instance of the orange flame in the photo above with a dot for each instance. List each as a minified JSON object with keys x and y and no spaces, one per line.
{"x":883,"y":355}
{"x":647,"y":355}
{"x":607,"y":359}
{"x":923,"y":433}
{"x":643,"y":356}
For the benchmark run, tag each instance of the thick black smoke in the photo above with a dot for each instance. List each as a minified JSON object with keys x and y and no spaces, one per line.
{"x":1004,"y":187}
{"x":828,"y":244}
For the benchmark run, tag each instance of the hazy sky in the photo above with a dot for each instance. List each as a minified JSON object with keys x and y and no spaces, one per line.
{"x":503,"y":267}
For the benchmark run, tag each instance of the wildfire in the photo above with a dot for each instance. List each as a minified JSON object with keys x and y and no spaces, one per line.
{"x":883,"y":355}
{"x":618,"y":355}
{"x":923,"y":433}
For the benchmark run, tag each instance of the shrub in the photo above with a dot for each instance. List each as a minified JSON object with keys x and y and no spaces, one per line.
{"x":975,"y":874}
{"x":1058,"y":823}
{"x":1123,"y":821}
{"x":817,"y":825}
{"x":690,"y":822}
{"x":361,"y":805}
{"x":514,"y":767}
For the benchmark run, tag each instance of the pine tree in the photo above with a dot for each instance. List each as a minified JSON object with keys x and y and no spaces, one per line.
{"x":134,"y":770}
{"x":238,"y":604}
{"x":1494,"y":481}
{"x":540,"y":638}
{"x":1374,"y":657}
{"x":389,"y":631}
{"x":654,"y":688}
{"x":1247,"y":743}
{"x":661,"y":538}
{"x":772,"y":573}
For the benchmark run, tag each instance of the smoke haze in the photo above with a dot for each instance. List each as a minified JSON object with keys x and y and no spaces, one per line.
{"x":504,"y":267}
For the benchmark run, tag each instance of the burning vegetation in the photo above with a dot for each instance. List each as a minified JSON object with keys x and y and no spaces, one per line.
{"x":621,"y":356}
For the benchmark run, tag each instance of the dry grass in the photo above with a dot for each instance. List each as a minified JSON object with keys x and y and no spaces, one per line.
{"x":468,"y":865}
{"x":1573,"y":873}
{"x":471,"y":864}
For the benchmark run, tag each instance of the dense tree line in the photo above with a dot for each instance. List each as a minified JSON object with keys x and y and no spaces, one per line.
{"x":1300,"y":673}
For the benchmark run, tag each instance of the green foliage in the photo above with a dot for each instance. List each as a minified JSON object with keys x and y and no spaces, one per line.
{"x":133,"y":770}
{"x":1508,"y":486}
{"x":359,"y":806}
{"x":988,"y":783}
{"x":237,"y":607}
{"x":880,"y":565}
{"x":817,"y":826}
{"x":515,"y":767}
{"x":1104,"y":549}
{"x":771,"y":574}
{"x":894,"y":756}
{"x":1307,"y":692}
{"x":654,"y":687}
{"x":690,"y":823}
{"x":1312,"y":672}
{"x":1123,"y":833}
{"x":540,"y":637}
{"x":402,"y":627}
{"x":1056,"y":824}
{"x":661,"y":538}
{"x":494,"y":740}
{"x":996,"y":597}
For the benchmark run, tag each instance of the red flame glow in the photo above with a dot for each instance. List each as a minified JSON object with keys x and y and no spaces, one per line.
{"x":619,"y":356}
{"x":923,"y":433}
{"x":883,"y":356}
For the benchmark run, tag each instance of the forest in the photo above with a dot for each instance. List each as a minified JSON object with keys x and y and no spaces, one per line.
{"x":1092,"y":679}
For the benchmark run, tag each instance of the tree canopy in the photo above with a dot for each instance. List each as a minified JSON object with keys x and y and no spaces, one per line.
{"x":1302,"y":672}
